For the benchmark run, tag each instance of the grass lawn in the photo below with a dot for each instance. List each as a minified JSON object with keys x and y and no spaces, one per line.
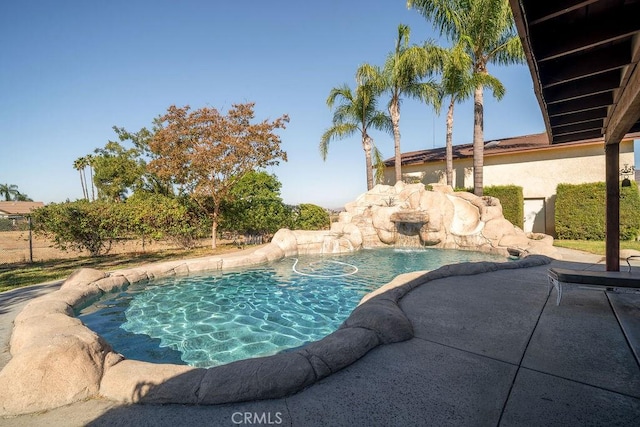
{"x":594,"y":246}
{"x":16,"y":275}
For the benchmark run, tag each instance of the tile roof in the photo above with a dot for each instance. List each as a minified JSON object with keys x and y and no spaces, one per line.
{"x":19,"y":208}
{"x":497,"y":146}
{"x":466,"y":150}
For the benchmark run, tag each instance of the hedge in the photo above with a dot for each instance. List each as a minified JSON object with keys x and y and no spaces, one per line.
{"x":580,"y":211}
{"x":512,"y":201}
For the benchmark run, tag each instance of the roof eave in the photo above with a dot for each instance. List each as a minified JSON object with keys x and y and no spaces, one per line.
{"x":523,"y":31}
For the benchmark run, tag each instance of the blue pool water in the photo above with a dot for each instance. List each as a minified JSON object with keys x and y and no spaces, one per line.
{"x":213,"y":319}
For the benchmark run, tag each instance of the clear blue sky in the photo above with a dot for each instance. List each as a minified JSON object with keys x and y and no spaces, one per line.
{"x":70,"y":70}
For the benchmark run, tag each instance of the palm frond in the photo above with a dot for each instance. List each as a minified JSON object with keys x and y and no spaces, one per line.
{"x":456,"y":75}
{"x":343,"y":91}
{"x":345,"y":113}
{"x":447,"y":15}
{"x":435,"y":54}
{"x":509,"y":51}
{"x":490,"y":82}
{"x":378,"y":163}
{"x":372,"y":77}
{"x":338,"y":131}
{"x":402,"y":42}
{"x":382,"y":122}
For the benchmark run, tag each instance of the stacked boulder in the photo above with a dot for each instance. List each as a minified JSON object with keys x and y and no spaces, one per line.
{"x":439,"y":218}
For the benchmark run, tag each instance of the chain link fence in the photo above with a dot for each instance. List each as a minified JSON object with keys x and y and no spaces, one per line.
{"x":16,"y":240}
{"x":18,"y":244}
{"x":14,"y":223}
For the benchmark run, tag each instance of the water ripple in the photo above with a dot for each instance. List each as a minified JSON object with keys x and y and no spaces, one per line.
{"x":209,"y":320}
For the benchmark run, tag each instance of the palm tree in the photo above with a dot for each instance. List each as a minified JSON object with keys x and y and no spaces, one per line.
{"x":89,"y":158}
{"x":458,"y":83}
{"x":356,"y":113}
{"x":402,"y":75}
{"x":9,"y":191}
{"x":79,"y":164}
{"x":22,"y":198}
{"x":487,"y":30}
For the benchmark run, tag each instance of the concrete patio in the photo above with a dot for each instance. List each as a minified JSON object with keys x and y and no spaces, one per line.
{"x":490,"y":349}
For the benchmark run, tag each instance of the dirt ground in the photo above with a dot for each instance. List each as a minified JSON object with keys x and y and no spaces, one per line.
{"x":14,"y":247}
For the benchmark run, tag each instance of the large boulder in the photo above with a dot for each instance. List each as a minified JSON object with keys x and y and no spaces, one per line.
{"x":466,"y":218}
{"x":349,"y":232}
{"x":260,"y":378}
{"x":386,"y":215}
{"x":285,"y":239}
{"x":34,"y":330}
{"x":134,"y":381}
{"x":83,"y":276}
{"x":410,"y":196}
{"x":385,"y":228}
{"x":495,"y":229}
{"x":385,"y":317}
{"x":63,"y":369}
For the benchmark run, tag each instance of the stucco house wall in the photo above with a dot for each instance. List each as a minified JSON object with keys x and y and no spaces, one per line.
{"x":537,"y":170}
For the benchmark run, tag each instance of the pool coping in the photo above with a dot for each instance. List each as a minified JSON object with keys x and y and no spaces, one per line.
{"x":56,"y":360}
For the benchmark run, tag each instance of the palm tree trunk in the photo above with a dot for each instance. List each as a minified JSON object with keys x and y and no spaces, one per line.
{"x":366,"y":146}
{"x":478,"y":141}
{"x":93,"y":194}
{"x":86,"y":184}
{"x":394,"y":112}
{"x":84,"y":191}
{"x":449,"y":146}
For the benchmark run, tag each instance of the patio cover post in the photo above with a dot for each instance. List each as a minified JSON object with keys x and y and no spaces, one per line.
{"x":612,"y":171}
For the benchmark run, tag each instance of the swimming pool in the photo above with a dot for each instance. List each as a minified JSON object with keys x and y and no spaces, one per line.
{"x":213,"y":319}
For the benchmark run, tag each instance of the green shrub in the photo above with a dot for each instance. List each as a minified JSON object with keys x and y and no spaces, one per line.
{"x":255,"y":217}
{"x":255,"y":206}
{"x":94,"y":226}
{"x":581,"y":209}
{"x":512,"y":201}
{"x":79,"y":225}
{"x":154,"y":216}
{"x":629,"y":212}
{"x":307,"y":216}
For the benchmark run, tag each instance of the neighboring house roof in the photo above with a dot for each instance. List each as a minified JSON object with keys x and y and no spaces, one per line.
{"x":518,"y":144}
{"x":19,"y":208}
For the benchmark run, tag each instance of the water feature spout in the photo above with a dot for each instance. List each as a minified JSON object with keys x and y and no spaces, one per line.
{"x":408,"y":225}
{"x":411,"y":217}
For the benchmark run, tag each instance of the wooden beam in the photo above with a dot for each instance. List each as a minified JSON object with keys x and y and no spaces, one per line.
{"x":584,"y":87}
{"x":517,"y":7}
{"x":557,"y":38}
{"x":543,"y":11}
{"x":593,"y":125}
{"x":612,"y":171}
{"x":583,"y":65}
{"x":578,"y":136}
{"x":582,"y":104}
{"x":626,"y":111}
{"x":579,"y":117}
